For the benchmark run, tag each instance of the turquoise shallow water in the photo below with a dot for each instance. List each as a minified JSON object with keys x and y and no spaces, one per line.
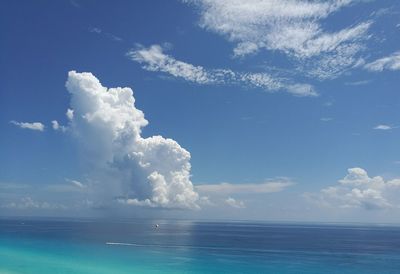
{"x":30,"y":246}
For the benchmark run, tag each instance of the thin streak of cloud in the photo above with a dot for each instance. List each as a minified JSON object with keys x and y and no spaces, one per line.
{"x":391,"y":62}
{"x":154,"y":59}
{"x":358,"y":83}
{"x":383,"y":127}
{"x":32,"y":126}
{"x":251,"y":188}
{"x":326,"y":119}
{"x":105,"y":34}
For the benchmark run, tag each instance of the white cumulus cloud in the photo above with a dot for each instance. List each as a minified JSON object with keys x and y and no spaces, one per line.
{"x":33,"y":126}
{"x":153,"y":171}
{"x":69,"y":114}
{"x":56,"y":126}
{"x":358,"y":190}
{"x":235,"y":203}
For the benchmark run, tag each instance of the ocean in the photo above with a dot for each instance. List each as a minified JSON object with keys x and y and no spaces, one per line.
{"x":137,"y":246}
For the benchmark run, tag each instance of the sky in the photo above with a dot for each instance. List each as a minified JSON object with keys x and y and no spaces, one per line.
{"x":243,"y":110}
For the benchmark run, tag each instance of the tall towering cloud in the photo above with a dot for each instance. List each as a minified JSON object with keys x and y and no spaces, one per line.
{"x":152,"y":171}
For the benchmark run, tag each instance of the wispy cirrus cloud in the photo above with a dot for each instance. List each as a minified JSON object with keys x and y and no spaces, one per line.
{"x":292,"y":27}
{"x":108,"y":35}
{"x":391,"y":62}
{"x":153,"y":58}
{"x":32,"y":126}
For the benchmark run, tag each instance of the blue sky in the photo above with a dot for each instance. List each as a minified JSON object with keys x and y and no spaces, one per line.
{"x":289,"y":110}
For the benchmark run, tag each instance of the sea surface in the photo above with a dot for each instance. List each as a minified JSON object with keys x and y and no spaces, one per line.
{"x":136,"y":246}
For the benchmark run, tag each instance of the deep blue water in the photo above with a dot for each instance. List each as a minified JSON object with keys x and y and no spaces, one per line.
{"x":33,"y":246}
